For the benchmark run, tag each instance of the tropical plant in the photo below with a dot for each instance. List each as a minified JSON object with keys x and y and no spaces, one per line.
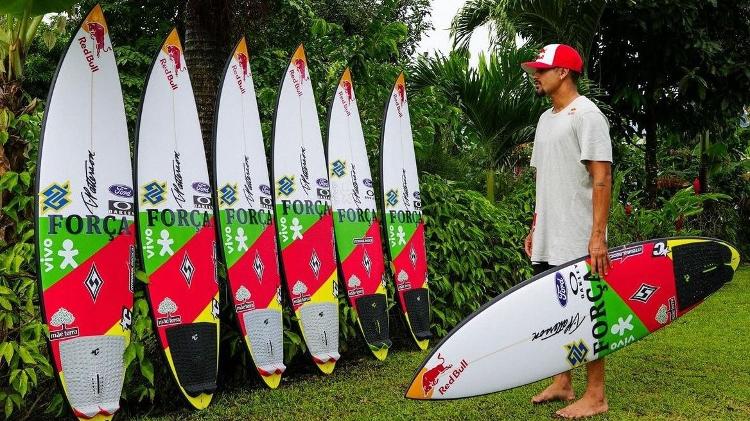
{"x":539,"y":22}
{"x":496,"y":98}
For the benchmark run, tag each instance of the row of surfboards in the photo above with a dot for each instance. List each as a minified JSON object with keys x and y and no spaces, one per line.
{"x":92,"y":209}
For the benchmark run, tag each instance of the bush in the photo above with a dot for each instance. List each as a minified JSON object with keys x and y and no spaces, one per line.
{"x":474,"y":250}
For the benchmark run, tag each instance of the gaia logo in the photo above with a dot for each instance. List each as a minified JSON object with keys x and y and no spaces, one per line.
{"x":153,"y":192}
{"x":55,"y":196}
{"x":286,"y":185}
{"x":391,"y":198}
{"x":338,"y":168}
{"x":228,"y":195}
{"x":577,"y":352}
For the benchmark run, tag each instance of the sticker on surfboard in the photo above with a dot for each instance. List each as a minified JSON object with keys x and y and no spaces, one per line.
{"x":355,"y":218}
{"x":175,"y":225}
{"x":84,"y":223}
{"x":245,"y":222}
{"x":565,"y":317}
{"x":402,"y":215}
{"x":303,"y":214}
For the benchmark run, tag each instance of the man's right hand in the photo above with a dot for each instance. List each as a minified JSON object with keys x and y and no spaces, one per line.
{"x":527,"y":243}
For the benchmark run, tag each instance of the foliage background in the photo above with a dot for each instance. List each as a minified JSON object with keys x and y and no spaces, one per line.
{"x":464,"y":143}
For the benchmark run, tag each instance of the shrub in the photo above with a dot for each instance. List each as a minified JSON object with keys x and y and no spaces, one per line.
{"x":474,"y":250}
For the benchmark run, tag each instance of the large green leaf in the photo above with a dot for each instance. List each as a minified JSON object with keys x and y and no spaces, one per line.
{"x":34,"y":7}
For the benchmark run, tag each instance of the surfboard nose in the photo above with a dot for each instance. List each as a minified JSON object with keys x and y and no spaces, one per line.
{"x":417,"y":389}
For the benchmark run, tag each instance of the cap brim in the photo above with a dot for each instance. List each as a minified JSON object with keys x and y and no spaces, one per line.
{"x":530,"y":66}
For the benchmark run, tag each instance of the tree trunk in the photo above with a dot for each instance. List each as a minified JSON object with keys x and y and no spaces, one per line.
{"x":703,"y":169}
{"x":206,"y":32}
{"x":491,"y":184}
{"x":651,"y":147}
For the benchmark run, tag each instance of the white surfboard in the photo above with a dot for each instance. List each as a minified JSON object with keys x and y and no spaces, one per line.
{"x":565,"y":317}
{"x":303,"y":214}
{"x":402,"y":214}
{"x":245,"y":222}
{"x":84,"y":223}
{"x":175,"y":225}
{"x":355,"y":217}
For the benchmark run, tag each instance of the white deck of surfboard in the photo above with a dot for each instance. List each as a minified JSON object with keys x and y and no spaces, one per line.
{"x":495,"y":349}
{"x":346,"y":143}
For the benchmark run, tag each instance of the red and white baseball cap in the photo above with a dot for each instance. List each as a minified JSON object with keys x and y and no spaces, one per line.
{"x":556,"y":55}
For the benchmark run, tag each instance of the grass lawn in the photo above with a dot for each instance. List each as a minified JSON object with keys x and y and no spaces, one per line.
{"x":697,"y":368}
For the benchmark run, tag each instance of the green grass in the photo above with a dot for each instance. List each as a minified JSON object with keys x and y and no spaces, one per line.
{"x":697,"y":368}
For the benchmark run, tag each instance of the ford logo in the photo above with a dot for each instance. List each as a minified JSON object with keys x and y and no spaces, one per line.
{"x":561,"y":289}
{"x":121,"y":190}
{"x":417,"y":195}
{"x":323,"y":182}
{"x":265,"y":189}
{"x":201,"y":187}
{"x":367,"y":182}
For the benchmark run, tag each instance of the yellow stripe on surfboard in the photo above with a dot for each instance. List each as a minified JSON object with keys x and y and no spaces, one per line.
{"x":203,"y":400}
{"x":322,"y":295}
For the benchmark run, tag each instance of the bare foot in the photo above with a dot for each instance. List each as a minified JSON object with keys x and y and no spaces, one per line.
{"x":588,"y":406}
{"x":554,"y":392}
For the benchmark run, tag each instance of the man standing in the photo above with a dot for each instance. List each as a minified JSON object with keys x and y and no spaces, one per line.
{"x":573,"y":156}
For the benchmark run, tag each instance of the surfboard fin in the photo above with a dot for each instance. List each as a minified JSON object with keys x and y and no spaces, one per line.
{"x":193,"y":350}
{"x":697,"y":274}
{"x":264,"y":332}
{"x":93,"y":372}
{"x":418,"y":309}
{"x":320,"y":325}
{"x":373,"y":317}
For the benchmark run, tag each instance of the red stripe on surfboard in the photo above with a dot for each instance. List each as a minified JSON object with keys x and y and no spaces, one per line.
{"x":353,"y":265}
{"x":417,"y":273}
{"x":628,"y":275}
{"x":242,"y":273}
{"x":93,"y":317}
{"x":168,"y":281}
{"x":297,"y":255}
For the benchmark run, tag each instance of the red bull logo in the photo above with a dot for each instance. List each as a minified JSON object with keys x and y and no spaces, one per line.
{"x":97,"y":31}
{"x":431,"y":376}
{"x":175,"y":56}
{"x":401,"y":92}
{"x":301,"y":67}
{"x":349,"y":91}
{"x":242,"y":60}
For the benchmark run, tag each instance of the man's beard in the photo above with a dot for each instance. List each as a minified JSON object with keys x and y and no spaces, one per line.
{"x":540,"y":92}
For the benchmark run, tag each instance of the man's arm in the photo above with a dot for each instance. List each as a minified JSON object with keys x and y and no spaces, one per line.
{"x":601,"y":174}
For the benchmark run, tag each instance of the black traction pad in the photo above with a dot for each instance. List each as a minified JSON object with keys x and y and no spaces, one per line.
{"x":699,"y":270}
{"x":372,"y":311}
{"x":418,"y":306}
{"x":193,"y":349}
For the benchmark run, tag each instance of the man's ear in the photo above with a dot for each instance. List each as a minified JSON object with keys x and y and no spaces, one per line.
{"x":564,"y":72}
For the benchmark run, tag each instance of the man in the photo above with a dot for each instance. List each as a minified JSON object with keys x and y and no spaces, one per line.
{"x":573,"y":156}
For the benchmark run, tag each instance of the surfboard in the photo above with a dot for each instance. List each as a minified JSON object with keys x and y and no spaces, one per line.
{"x":303,"y":214}
{"x":402,"y":215}
{"x":245,"y":222}
{"x":355,"y":218}
{"x":564,"y":317}
{"x":175,"y":225}
{"x":84,"y":223}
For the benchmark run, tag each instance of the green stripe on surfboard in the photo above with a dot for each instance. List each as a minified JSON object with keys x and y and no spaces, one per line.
{"x":622,"y":329}
{"x":346,"y":231}
{"x":285,"y":223}
{"x":85,"y":244}
{"x":251,"y":231}
{"x":396,"y":242}
{"x":179,"y":235}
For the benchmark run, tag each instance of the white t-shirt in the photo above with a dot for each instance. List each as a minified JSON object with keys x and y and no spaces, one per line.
{"x":564,"y":207}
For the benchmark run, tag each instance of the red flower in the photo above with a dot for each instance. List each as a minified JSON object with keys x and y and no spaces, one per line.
{"x":697,"y":186}
{"x":628,"y":209}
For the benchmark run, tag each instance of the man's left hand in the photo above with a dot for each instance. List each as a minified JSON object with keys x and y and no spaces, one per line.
{"x":600,"y":263}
